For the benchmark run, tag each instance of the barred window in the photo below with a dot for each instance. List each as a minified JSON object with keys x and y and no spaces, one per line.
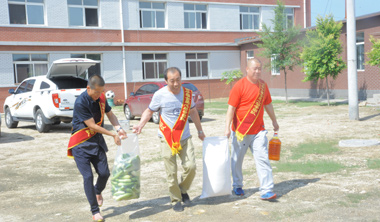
{"x":154,"y":65}
{"x":360,"y":51}
{"x":28,"y":12}
{"x":83,"y":12}
{"x":249,"y":18}
{"x":195,"y":16}
{"x":29,"y":65}
{"x":196,"y":65}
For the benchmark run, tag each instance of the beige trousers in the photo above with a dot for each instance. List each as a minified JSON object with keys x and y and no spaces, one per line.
{"x":188,"y":164}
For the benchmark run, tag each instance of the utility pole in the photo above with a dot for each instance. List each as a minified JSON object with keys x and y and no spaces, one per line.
{"x":352,"y":75}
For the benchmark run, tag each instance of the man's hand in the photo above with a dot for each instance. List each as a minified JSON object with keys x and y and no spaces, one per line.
{"x":227,"y":133}
{"x":122,"y":134}
{"x":201,"y":135}
{"x":137,"y":129}
{"x":117,"y":140}
{"x":276,"y":127}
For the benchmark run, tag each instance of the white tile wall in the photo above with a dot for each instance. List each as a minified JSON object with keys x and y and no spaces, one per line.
{"x":110,"y":14}
{"x":175,"y":15}
{"x":267,"y":13}
{"x":131,"y":15}
{"x":221,"y":61}
{"x":133,"y":66}
{"x":4,"y":16}
{"x":6,"y":70}
{"x":112,"y":63}
{"x":224,"y":17}
{"x":56,"y":13}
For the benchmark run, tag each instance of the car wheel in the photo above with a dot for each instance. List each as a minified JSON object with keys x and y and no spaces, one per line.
{"x":40,"y":125}
{"x":127,"y":113}
{"x":156,"y":117}
{"x":9,"y":120}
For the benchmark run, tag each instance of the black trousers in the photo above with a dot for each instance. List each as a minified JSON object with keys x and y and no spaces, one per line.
{"x":98,"y":159}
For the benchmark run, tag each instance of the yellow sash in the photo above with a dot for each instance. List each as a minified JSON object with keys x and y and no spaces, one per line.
{"x":173,"y":136}
{"x":241,"y":127}
{"x":84,"y":134}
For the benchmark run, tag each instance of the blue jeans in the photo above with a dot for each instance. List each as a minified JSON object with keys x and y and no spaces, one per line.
{"x":99,"y":161}
{"x":258,"y":143}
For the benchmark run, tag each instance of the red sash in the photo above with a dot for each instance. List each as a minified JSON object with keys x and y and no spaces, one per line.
{"x":241,"y":127}
{"x":173,"y":136}
{"x":84,"y":134}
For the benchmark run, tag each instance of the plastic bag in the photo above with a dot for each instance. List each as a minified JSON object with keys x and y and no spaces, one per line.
{"x":125,"y":176}
{"x":216,"y":167}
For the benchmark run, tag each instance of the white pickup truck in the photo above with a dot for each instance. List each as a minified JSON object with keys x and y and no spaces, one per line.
{"x":48,"y":100}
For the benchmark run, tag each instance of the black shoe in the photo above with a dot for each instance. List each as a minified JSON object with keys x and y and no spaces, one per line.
{"x":178,"y":207}
{"x":185,"y":198}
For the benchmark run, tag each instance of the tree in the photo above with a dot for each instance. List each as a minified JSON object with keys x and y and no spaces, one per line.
{"x":230,"y":76}
{"x":374,"y":53}
{"x":321,"y":53}
{"x":281,"y":43}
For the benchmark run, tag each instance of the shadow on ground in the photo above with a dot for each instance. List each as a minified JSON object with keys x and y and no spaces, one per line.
{"x":369,"y":117}
{"x":154,"y":206}
{"x":143,"y":208}
{"x":14,"y":137}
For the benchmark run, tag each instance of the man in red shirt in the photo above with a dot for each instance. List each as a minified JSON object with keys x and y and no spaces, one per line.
{"x":248,"y":99}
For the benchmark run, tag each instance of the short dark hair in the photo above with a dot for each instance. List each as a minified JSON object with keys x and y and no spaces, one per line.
{"x":95,"y":80}
{"x":172,"y":70}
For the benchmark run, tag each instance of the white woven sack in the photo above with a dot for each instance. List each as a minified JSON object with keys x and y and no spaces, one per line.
{"x":216,"y":167}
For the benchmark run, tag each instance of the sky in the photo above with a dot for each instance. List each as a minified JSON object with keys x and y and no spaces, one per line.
{"x":336,"y":8}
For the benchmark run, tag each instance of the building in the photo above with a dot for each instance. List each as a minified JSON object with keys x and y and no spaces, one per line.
{"x":133,"y":40}
{"x":368,"y":76}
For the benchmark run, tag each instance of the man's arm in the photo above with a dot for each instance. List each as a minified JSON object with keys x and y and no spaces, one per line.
{"x":95,"y":127}
{"x":195,"y":118}
{"x":145,"y":117}
{"x":115,"y":123}
{"x":269,"y":109}
{"x":229,"y":117}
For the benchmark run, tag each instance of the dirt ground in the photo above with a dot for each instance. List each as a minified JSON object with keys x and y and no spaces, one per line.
{"x":39,"y":183}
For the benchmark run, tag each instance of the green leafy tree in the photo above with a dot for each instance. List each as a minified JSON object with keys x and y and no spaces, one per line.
{"x":230,"y":76}
{"x":374,"y":53}
{"x":281,"y":43}
{"x":322,"y":52}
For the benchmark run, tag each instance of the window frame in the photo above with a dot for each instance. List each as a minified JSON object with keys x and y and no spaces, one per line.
{"x":29,"y":62}
{"x":25,"y":3}
{"x":196,"y":11}
{"x":154,"y":10}
{"x":360,"y":44}
{"x":241,"y":14}
{"x":197,"y":61}
{"x":273,"y":69}
{"x":287,"y":15}
{"x":83,"y":7}
{"x":248,"y":56}
{"x":156,"y":62}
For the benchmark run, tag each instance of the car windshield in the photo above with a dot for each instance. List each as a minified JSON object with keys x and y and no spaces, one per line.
{"x":190,"y":86}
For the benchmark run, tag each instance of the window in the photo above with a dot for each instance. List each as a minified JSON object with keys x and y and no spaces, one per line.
{"x":152,"y":15}
{"x":93,"y":70}
{"x":28,"y":65}
{"x":30,"y":12}
{"x":44,"y":85}
{"x":83,"y":12}
{"x":195,"y":16}
{"x":250,"y":55}
{"x":289,"y":17}
{"x":147,"y":89}
{"x":249,"y":18}
{"x":153,"y":65}
{"x":196,"y":64}
{"x":360,"y":51}
{"x":275,"y":69}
